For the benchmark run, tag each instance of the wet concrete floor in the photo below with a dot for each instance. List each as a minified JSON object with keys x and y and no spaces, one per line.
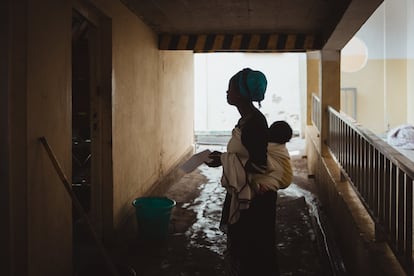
{"x":195,"y":245}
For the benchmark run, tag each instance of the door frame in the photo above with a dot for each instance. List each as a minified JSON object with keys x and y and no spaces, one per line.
{"x":101,"y":209}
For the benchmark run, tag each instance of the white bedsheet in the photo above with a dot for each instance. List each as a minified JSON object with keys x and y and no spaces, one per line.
{"x":401,"y":138}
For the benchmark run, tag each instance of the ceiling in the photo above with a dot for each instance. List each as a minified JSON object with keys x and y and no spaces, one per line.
{"x":275,"y":25}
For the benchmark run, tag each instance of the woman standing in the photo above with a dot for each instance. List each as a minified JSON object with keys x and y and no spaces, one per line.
{"x":249,"y":211}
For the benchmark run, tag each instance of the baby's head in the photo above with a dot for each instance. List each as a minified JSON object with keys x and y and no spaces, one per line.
{"x":280,"y":132}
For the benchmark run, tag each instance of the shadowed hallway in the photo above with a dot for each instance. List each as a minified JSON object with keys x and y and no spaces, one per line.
{"x":195,"y":245}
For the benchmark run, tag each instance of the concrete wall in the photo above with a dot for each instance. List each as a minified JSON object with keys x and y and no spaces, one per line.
{"x":176,"y":107}
{"x":152,"y":108}
{"x":396,"y":95}
{"x":410,"y":90}
{"x":13,"y":161}
{"x":313,"y":83}
{"x":370,"y":110}
{"x":152,"y":95}
{"x":49,"y":115}
{"x":5,"y":234}
{"x":410,"y":61}
{"x":135,"y":93}
{"x":381,"y":93}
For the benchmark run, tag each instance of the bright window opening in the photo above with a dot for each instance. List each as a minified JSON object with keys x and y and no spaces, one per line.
{"x":284,"y":99}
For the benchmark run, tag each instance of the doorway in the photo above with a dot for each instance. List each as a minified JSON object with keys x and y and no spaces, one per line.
{"x":82,"y":181}
{"x":285,"y":97}
{"x":91,"y":121}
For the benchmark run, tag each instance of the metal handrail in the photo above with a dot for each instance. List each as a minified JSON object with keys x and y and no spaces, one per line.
{"x":316,"y":112}
{"x":383,"y":179}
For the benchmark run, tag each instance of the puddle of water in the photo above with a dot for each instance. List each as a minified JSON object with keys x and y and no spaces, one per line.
{"x":295,"y":191}
{"x":205,"y":231}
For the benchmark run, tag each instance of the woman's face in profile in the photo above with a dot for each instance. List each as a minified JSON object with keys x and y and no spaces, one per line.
{"x":233,"y":94}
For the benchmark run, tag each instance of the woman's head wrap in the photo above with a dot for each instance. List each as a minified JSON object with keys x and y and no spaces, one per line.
{"x":252,"y":84}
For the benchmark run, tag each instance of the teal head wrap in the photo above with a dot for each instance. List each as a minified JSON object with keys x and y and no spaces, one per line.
{"x":252,"y":84}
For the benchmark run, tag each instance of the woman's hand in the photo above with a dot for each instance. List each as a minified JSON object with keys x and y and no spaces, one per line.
{"x":215,"y":157}
{"x":262,"y":189}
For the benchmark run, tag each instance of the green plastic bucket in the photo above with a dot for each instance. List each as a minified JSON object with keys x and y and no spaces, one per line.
{"x":153,"y":216}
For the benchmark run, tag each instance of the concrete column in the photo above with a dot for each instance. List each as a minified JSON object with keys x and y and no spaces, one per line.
{"x":313,"y":79}
{"x":313,"y":83}
{"x":330,"y":90}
